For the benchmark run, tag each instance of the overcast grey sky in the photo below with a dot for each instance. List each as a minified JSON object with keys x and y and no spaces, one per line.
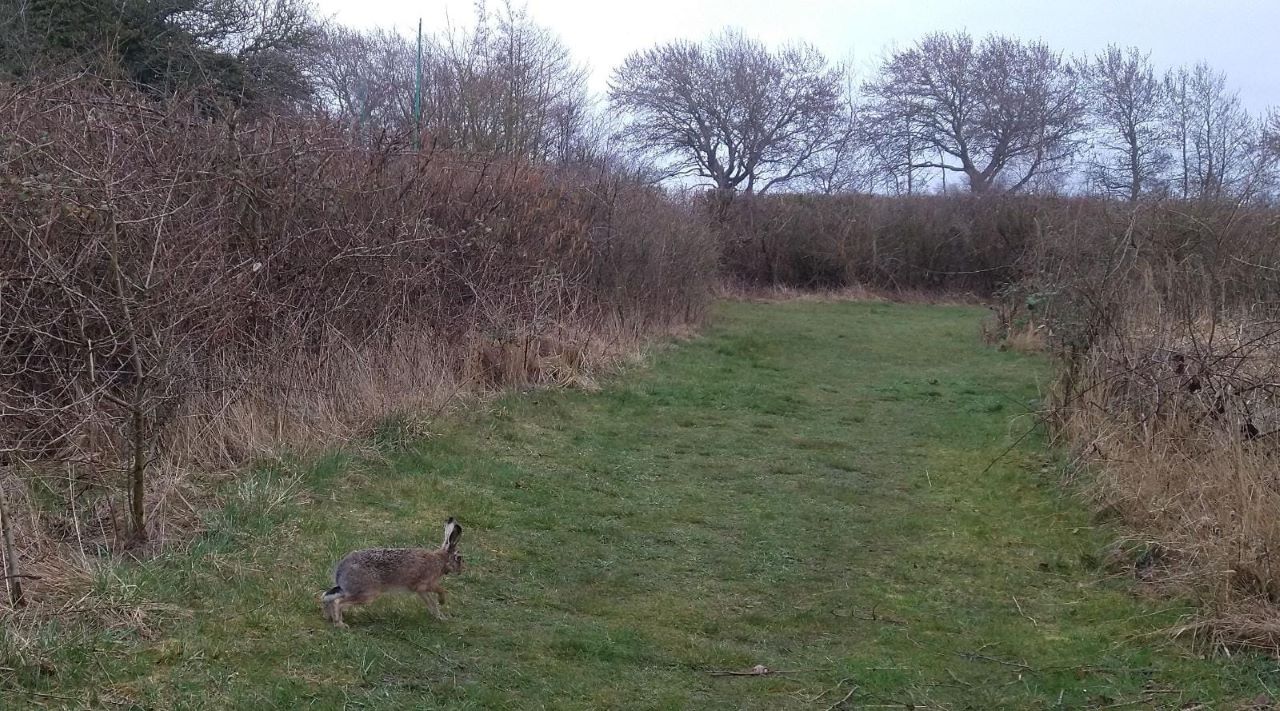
{"x":1236,"y":36}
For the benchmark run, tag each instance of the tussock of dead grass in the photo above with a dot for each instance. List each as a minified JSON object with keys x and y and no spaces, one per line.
{"x":1177,"y":424}
{"x":857,"y":293}
{"x":1028,"y":339}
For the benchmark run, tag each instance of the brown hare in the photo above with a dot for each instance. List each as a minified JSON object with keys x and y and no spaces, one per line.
{"x":362,"y":576}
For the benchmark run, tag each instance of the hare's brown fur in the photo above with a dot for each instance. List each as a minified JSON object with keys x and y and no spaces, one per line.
{"x":364,"y":575}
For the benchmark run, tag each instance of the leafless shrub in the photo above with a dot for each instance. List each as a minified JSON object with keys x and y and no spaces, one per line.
{"x":1164,"y":318}
{"x":183,"y":294}
{"x":936,"y":243}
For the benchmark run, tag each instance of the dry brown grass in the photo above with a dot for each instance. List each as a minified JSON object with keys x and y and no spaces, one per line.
{"x":1163,"y":319}
{"x":735,"y":291}
{"x":1176,"y":420}
{"x":1029,"y":339}
{"x":1022,"y":336}
{"x":297,"y":408}
{"x":738,"y":291}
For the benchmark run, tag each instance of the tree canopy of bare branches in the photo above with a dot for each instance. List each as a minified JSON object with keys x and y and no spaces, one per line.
{"x":1126,"y":105}
{"x":1001,"y":112}
{"x":503,"y":86}
{"x":1212,"y":134}
{"x":730,"y":110}
{"x":1271,"y":131}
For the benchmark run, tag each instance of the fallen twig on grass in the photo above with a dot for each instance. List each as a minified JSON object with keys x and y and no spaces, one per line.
{"x":760,"y":670}
{"x":872,"y":616}
{"x":846,"y":698}
{"x":58,"y":697}
{"x":985,"y":658}
{"x":1020,"y":612}
{"x":42,"y":695}
{"x":839,"y":684}
{"x":958,"y":680}
{"x":1024,"y":668}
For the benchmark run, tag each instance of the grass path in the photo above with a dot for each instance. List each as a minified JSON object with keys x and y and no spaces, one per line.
{"x":803,"y":488}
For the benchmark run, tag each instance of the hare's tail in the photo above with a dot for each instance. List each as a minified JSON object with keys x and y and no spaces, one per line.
{"x":331,"y":594}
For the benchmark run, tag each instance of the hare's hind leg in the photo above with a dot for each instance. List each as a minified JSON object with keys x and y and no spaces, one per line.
{"x":337,"y":598}
{"x":429,"y":597}
{"x":331,"y":606}
{"x":351,"y":600}
{"x":335,"y":613}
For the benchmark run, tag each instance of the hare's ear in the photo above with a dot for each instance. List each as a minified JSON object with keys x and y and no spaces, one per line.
{"x":452,"y":532}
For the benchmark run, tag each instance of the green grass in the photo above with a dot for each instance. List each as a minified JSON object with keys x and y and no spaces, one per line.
{"x":804,"y":487}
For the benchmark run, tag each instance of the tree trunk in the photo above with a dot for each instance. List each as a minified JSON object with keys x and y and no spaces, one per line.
{"x":1135,"y":170}
{"x":137,"y":477}
{"x":138,"y":467}
{"x":12,"y":577}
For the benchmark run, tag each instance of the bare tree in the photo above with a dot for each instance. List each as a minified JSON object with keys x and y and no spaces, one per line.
{"x":504,"y":85}
{"x":1268,"y":152}
{"x":846,"y":164}
{"x":365,"y":79}
{"x":1269,"y":147}
{"x":894,"y":147}
{"x":842,"y":167}
{"x":731,"y":110}
{"x":541,"y":98}
{"x":1271,"y":132}
{"x":1126,"y":105}
{"x":1212,"y":134}
{"x":1002,"y":112}
{"x":272,"y":41}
